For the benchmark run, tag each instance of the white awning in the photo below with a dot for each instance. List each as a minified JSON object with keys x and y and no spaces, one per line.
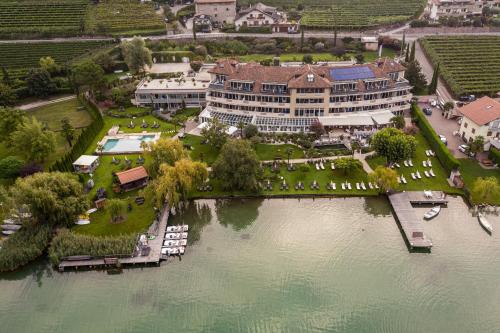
{"x":382,"y":118}
{"x":347,"y":120}
{"x":86,"y":160}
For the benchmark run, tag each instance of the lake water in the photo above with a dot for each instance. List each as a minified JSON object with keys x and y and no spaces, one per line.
{"x":338,"y":265}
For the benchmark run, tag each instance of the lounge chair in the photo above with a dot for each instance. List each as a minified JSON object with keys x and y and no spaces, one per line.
{"x":432,"y":173}
{"x":424,"y":163}
{"x":357,"y":186}
{"x":363,"y":186}
{"x":349,"y":186}
{"x":413,"y":176}
{"x":376,"y":186}
{"x":405,"y":163}
{"x":370,"y":186}
{"x":397,"y":165}
{"x":334,"y":186}
{"x":418,"y":175}
{"x":317,"y":166}
{"x":343,"y":186}
{"x":399,"y":180}
{"x":333,"y":166}
{"x":410,"y":162}
{"x":429,"y":163}
{"x":403,"y":179}
{"x":426,"y":173}
{"x":321,"y":166}
{"x":427,"y":153}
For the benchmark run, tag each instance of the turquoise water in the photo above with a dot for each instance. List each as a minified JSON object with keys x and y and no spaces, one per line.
{"x":338,"y":265}
{"x":132,"y":144}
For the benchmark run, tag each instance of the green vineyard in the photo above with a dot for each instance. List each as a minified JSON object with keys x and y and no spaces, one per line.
{"x":20,"y":18}
{"x":351,"y":14}
{"x":19,"y":58}
{"x":124,"y":17}
{"x":468,"y":64}
{"x":39,"y":17}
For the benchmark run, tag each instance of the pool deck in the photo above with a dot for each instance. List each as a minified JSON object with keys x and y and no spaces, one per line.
{"x":154,"y":256}
{"x":411,"y":224}
{"x":125,"y":136}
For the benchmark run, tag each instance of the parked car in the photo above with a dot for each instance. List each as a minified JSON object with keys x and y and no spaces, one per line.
{"x":443,"y":139}
{"x":428,"y":111}
{"x":433,"y":103}
{"x":463,"y":148}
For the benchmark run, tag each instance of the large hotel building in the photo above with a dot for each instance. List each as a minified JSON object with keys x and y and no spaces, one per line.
{"x":290,"y":99}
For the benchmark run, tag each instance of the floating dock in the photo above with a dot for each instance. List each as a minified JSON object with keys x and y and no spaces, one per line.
{"x":410,"y":223}
{"x":151,"y":256}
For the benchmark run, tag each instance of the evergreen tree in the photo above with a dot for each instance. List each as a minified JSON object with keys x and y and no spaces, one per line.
{"x":434,"y":81}
{"x":407,"y":53}
{"x":414,"y":75}
{"x":5,"y":76}
{"x":403,"y":42}
{"x":301,"y":37}
{"x":335,"y":37}
{"x":412,"y":53}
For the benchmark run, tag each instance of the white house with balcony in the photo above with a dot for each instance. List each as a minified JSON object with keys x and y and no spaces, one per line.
{"x":481,"y":118}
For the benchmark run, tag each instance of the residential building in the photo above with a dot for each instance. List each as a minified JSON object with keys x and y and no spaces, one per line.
{"x":221,"y":11}
{"x":481,"y":118}
{"x":290,"y":99}
{"x":459,"y":8}
{"x":172,"y":94}
{"x":259,"y":15}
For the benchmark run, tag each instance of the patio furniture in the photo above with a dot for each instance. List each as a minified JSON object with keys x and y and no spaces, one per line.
{"x":371,"y":186}
{"x":405,"y":163}
{"x":426,"y":173}
{"x":397,"y":165}
{"x":413,"y":176}
{"x":403,"y":179}
{"x":418,"y":175}
{"x":424,"y":163}
{"x":399,"y":180}
{"x":429,"y":163}
{"x":363,"y":186}
{"x":332,"y":166}
{"x":410,"y":162}
{"x":431,"y":172}
{"x":343,"y":186}
{"x":349,"y":186}
{"x":357,"y":186}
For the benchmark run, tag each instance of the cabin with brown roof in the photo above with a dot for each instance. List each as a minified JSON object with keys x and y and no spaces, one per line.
{"x":132,"y":179}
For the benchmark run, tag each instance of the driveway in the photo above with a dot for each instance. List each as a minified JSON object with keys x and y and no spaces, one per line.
{"x":445,"y":127}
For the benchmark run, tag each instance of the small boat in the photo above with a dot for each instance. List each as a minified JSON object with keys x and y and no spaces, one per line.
{"x":14,"y":227}
{"x":175,"y":235}
{"x":82,"y":222}
{"x":432,"y":213}
{"x":171,"y":243}
{"x":484,"y":223}
{"x":8,"y":232}
{"x":169,"y":250}
{"x":178,"y":228}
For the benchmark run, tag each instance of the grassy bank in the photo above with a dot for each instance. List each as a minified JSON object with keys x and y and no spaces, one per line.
{"x":471,"y":170}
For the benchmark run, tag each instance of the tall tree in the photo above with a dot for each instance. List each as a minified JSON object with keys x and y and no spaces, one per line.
{"x":348,"y":164}
{"x":10,"y":119}
{"x":477,"y":145}
{"x":398,"y":122}
{"x":39,"y":82}
{"x":6,"y":77}
{"x":7,"y":95}
{"x":67,"y":131}
{"x":407,"y":53}
{"x":403,"y":42}
{"x":434,"y":81}
{"x":116,"y":209}
{"x":335,"y":37}
{"x":412,"y":53}
{"x":215,"y":133}
{"x":136,"y":55}
{"x":55,"y":198}
{"x":87,"y":76}
{"x":484,"y":189}
{"x":385,"y":178}
{"x":415,"y":76}
{"x":238,"y":166}
{"x":49,"y":64}
{"x":174,"y":182}
{"x":32,"y":141}
{"x":393,"y":144}
{"x":301,"y":37}
{"x":163,"y":151}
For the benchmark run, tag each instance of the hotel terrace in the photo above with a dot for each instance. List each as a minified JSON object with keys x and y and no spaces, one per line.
{"x":290,"y":99}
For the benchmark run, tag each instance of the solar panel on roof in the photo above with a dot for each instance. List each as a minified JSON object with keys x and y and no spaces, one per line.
{"x":353,"y":73}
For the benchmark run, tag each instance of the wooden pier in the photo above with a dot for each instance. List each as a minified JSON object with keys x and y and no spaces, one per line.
{"x":152,"y":256}
{"x":410,"y":223}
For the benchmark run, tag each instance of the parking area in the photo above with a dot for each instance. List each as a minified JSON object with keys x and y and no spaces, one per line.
{"x":446,"y":127}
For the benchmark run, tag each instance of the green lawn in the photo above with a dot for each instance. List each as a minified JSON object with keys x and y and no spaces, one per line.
{"x":471,"y":170}
{"x":323,"y":177}
{"x":434,"y":183}
{"x":52,"y":114}
{"x":199,"y":151}
{"x":188,"y":113}
{"x":267,"y":152}
{"x":325,"y":56}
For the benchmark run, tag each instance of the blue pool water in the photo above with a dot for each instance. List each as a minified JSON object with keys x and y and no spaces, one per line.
{"x":127,"y":145}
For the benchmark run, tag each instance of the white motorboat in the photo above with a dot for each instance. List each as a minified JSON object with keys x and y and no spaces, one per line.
{"x":432,"y":213}
{"x":14,"y":227}
{"x":8,"y":232}
{"x":172,"y":228}
{"x":484,"y":223}
{"x":171,"y":243}
{"x":169,"y":250}
{"x":173,"y":235}
{"x":82,"y":222}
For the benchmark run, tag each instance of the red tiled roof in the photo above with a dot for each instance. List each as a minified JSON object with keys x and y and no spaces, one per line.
{"x":132,"y":175}
{"x":482,"y":111}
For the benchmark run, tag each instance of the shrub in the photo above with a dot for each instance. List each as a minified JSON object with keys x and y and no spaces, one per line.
{"x":24,"y":246}
{"x":10,"y":167}
{"x":494,"y":155}
{"x":448,"y":161}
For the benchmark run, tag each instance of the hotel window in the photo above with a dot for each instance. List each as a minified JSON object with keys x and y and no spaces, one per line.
{"x":466,"y":125}
{"x":473,"y":131}
{"x":489,"y":133}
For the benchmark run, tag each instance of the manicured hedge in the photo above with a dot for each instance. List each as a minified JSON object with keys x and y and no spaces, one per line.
{"x":172,"y":56}
{"x":448,"y":161}
{"x":65,"y":163}
{"x":494,"y":155}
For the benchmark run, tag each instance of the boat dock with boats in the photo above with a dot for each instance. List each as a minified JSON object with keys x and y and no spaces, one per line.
{"x":411,"y":224}
{"x":151,"y":248}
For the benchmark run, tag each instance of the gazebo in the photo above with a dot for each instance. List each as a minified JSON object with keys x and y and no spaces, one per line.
{"x":86,"y":164}
{"x":132,"y":179}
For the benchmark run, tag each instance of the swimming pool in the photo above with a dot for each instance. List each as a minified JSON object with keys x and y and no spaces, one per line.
{"x":126,"y":143}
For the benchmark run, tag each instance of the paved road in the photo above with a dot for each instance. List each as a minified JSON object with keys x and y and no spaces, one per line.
{"x":37,"y":104}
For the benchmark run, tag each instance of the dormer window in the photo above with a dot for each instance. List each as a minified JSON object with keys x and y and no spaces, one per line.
{"x":310,"y":78}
